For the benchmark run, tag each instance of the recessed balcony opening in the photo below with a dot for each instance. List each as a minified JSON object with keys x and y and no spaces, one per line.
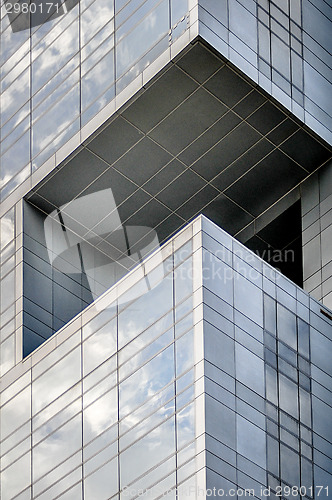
{"x":201,"y":138}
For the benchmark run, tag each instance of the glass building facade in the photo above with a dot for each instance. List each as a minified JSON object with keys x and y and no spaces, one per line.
{"x":217,"y":379}
{"x":166,"y":196}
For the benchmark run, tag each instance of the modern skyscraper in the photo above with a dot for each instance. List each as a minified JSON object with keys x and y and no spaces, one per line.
{"x":145,"y":352}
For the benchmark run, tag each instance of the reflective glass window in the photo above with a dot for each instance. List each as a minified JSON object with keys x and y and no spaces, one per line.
{"x":219,"y":348}
{"x":286,"y":322}
{"x":243,"y":24}
{"x":321,"y":351}
{"x":248,"y":299}
{"x":98,"y":80}
{"x":149,"y":379}
{"x":271,"y":385}
{"x":7,"y":227}
{"x":280,"y":56}
{"x":142,"y":37}
{"x":306,"y":473}
{"x":100,"y":415}
{"x":56,"y":380}
{"x":220,"y":421}
{"x":185,"y":425}
{"x":217,"y":277}
{"x":249,"y":369}
{"x":270,"y":314}
{"x":146,"y":353}
{"x":16,"y":477}
{"x":183,"y":280}
{"x":178,"y":9}
{"x":7,"y":354}
{"x":154,"y":447}
{"x":14,"y":97}
{"x":251,"y":441}
{"x":160,"y":400}
{"x":57,"y":447}
{"x":184,"y":349}
{"x":287,"y":354}
{"x":322,"y":418}
{"x":303,"y":338}
{"x":15,"y":412}
{"x":290,"y":465}
{"x":99,"y":346}
{"x":103,"y":483}
{"x":51,"y":124}
{"x":143,"y":312}
{"x":16,"y":157}
{"x":94,"y":17}
{"x":288,"y":396}
{"x":145,"y":338}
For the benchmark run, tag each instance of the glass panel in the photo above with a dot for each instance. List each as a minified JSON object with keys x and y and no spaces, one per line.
{"x":271,"y":385}
{"x":98,"y":80}
{"x":243,"y":24}
{"x":219,"y":349}
{"x":145,"y":311}
{"x":93,"y":18}
{"x":144,"y":427}
{"x":146,"y":353}
{"x":146,"y":381}
{"x":56,"y":380}
{"x":57,"y":447}
{"x":321,"y":351}
{"x":248,"y":299}
{"x":46,"y":55}
{"x":249,"y":369}
{"x":92,"y":389}
{"x":16,"y":478}
{"x":103,"y":483}
{"x":15,"y":158}
{"x":286,"y":322}
{"x":183,"y":280}
{"x":217,"y":277}
{"x":100,"y":415}
{"x":178,"y":10}
{"x":99,"y":346}
{"x":270,"y":314}
{"x":185,"y":425}
{"x":51,"y":124}
{"x":290,"y":466}
{"x":155,"y":447}
{"x":142,"y":37}
{"x":322,"y":418}
{"x":51,"y":423}
{"x":280,"y":56}
{"x":303,"y":338}
{"x":287,"y":354}
{"x":215,"y":413}
{"x":184,"y":348}
{"x":145,"y":338}
{"x":251,"y":441}
{"x":288,"y":396}
{"x":306,"y":474}
{"x":7,"y":354}
{"x":15,"y":412}
{"x":153,"y":477}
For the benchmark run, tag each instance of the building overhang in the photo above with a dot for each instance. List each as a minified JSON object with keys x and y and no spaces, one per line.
{"x":201,"y":138}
